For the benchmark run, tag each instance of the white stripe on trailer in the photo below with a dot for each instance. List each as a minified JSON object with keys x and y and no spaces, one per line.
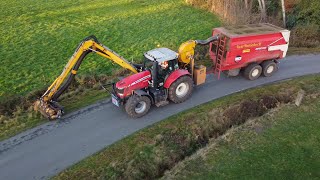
{"x":281,"y":47}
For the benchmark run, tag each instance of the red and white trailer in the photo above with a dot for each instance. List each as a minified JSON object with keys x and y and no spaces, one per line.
{"x":255,"y":49}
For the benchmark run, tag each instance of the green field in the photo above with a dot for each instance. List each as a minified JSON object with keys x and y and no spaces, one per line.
{"x":37,"y":38}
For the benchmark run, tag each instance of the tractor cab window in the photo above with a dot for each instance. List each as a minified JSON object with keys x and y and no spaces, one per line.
{"x":163,"y":69}
{"x":148,"y":64}
{"x":164,"y":65}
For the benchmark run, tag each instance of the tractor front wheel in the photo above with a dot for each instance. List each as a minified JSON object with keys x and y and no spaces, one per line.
{"x":137,"y":106}
{"x":181,"y":89}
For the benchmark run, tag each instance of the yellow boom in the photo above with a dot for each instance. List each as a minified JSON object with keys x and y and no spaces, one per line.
{"x":47,"y":103}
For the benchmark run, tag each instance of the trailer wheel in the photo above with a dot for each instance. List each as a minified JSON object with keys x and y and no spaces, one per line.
{"x":181,"y":89}
{"x":137,"y":106}
{"x":252,"y":71}
{"x":269,"y":68}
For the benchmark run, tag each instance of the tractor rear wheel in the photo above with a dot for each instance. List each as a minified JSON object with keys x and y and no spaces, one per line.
{"x":252,"y":71}
{"x":181,"y":89}
{"x":269,"y":68}
{"x":137,"y":106}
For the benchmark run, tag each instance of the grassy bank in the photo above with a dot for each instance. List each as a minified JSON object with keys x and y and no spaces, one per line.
{"x":156,"y":149}
{"x":301,"y":50}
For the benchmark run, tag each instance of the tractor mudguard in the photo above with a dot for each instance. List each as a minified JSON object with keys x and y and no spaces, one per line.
{"x":174,"y":76}
{"x":140,"y":92}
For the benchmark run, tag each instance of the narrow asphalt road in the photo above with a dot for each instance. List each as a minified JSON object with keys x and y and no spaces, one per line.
{"x":44,"y":151}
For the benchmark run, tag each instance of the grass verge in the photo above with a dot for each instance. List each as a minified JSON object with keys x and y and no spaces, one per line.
{"x":302,"y":50}
{"x":152,"y":151}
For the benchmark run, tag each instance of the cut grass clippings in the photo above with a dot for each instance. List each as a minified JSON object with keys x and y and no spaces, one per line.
{"x":150,"y":152}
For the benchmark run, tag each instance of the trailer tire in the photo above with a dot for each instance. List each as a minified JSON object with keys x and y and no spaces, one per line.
{"x":137,"y":106}
{"x":252,"y":71}
{"x":269,"y":68}
{"x":181,"y":89}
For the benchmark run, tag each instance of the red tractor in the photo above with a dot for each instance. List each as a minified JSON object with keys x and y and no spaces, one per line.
{"x":162,"y":78}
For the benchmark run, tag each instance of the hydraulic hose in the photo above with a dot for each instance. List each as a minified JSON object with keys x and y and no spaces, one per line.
{"x":64,"y":87}
{"x":207,"y":41}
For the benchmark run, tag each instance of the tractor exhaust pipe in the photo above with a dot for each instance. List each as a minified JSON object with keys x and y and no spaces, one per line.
{"x":154,"y":74}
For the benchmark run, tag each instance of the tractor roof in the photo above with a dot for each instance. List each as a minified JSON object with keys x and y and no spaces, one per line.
{"x":161,"y":54}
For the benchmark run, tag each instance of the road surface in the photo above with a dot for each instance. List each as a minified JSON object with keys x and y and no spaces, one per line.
{"x":44,"y":151}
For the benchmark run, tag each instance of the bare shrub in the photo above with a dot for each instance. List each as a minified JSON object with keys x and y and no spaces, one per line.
{"x":305,"y":36}
{"x":231,"y":11}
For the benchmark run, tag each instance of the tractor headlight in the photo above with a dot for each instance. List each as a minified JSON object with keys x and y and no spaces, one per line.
{"x":120,"y":91}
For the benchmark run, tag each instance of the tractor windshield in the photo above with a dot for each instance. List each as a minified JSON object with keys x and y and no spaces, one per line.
{"x":147,"y":63}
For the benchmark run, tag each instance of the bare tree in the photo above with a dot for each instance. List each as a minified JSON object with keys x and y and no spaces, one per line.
{"x":246,"y":4}
{"x":262,"y":6}
{"x":283,"y":13}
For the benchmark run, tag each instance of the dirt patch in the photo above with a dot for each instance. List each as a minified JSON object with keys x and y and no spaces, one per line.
{"x":247,"y":109}
{"x":255,"y":108}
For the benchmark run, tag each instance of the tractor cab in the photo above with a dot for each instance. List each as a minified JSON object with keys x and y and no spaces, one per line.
{"x":160,"y":62}
{"x":163,"y":56}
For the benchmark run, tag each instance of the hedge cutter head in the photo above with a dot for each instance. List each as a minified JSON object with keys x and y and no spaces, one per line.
{"x":50,"y":109}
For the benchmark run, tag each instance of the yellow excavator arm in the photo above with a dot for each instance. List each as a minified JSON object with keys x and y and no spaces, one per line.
{"x":47,"y":103}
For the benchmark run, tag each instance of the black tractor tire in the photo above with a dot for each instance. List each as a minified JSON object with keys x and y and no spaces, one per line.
{"x":137,"y":106}
{"x":181,"y":89}
{"x":252,"y":71}
{"x":269,"y":68}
